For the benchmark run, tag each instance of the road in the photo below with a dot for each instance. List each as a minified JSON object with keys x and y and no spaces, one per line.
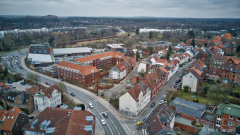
{"x":114,"y":125}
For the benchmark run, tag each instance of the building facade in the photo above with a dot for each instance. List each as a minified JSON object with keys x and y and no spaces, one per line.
{"x":118,"y":72}
{"x":76,"y":71}
{"x":50,"y":96}
{"x":40,"y":48}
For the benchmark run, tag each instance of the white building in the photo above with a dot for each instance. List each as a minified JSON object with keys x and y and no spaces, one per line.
{"x":40,"y":59}
{"x":158,"y":62}
{"x":135,"y":99}
{"x":118,"y":72}
{"x":72,"y":51}
{"x":50,"y":96}
{"x":144,"y":66}
{"x":192,"y":78}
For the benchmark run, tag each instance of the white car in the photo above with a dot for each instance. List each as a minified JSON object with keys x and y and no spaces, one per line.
{"x":103,"y":122}
{"x":90,"y":105}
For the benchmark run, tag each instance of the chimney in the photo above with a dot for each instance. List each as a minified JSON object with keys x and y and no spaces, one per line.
{"x":164,"y":124}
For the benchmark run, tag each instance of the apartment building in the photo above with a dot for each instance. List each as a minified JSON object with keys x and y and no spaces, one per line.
{"x":118,"y":72}
{"x":12,"y":121}
{"x":102,"y":60}
{"x":57,"y":121}
{"x":228,"y":117}
{"x":115,"y":47}
{"x":21,"y":100}
{"x":132,"y":56}
{"x":40,"y":48}
{"x":192,"y":78}
{"x":76,"y":71}
{"x":50,"y":96}
{"x":133,"y":101}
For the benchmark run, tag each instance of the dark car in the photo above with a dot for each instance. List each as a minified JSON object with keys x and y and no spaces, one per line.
{"x":177,"y":81}
{"x":153,"y":104}
{"x":31,"y":117}
{"x":23,"y":83}
{"x":73,"y":94}
{"x":105,"y":115}
{"x":144,"y":119}
{"x":10,"y":82}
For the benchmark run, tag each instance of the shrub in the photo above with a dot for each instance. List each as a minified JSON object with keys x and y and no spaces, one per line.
{"x":186,"y":88}
{"x":25,"y":110}
{"x":196,"y":124}
{"x":82,"y":106}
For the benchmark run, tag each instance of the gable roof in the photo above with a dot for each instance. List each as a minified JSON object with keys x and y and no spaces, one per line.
{"x":33,"y":89}
{"x":48,"y":91}
{"x":227,"y":36}
{"x":121,"y":67}
{"x":83,"y":69}
{"x":65,"y":121}
{"x":10,"y":118}
{"x":155,"y":126}
{"x":134,"y":92}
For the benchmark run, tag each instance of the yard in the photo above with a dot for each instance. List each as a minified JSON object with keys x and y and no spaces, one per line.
{"x":190,"y":97}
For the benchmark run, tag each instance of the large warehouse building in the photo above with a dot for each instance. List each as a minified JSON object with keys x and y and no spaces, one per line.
{"x":40,"y":60}
{"x":72,"y":51}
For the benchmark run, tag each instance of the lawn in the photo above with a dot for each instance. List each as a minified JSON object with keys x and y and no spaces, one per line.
{"x":205,"y":84}
{"x":201,"y":99}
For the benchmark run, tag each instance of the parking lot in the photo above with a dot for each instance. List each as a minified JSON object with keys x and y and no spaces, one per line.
{"x":19,"y":86}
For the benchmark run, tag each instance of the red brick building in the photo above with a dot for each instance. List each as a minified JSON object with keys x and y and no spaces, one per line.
{"x":40,"y":48}
{"x":132,"y":56}
{"x":228,"y":117}
{"x":102,"y":60}
{"x":82,"y":73}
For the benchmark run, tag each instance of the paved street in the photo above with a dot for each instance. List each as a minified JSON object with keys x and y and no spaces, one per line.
{"x":114,"y":126}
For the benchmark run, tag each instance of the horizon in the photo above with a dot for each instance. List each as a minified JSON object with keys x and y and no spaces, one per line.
{"x":123,"y":8}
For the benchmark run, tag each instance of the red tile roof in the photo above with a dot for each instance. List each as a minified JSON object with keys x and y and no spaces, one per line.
{"x":9,"y":121}
{"x":65,"y":123}
{"x":227,"y":36}
{"x":1,"y":84}
{"x":48,"y":91}
{"x":134,"y":92}
{"x":6,"y":87}
{"x":161,"y":60}
{"x":84,"y":70}
{"x":33,"y":90}
{"x":121,"y":67}
{"x":94,"y":57}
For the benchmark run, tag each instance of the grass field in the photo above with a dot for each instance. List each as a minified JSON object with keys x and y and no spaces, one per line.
{"x":201,"y":100}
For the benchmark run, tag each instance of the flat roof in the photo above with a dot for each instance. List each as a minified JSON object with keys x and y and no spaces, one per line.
{"x":40,"y":58}
{"x":64,"y":51}
{"x":115,"y":45}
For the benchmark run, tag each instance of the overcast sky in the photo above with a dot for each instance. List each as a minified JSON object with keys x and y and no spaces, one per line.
{"x":124,"y":8}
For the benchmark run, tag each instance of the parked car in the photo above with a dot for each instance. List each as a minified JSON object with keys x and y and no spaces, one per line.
{"x":153,"y":104}
{"x":144,"y":119}
{"x":103,"y":122}
{"x":139,"y":123}
{"x":31,"y":117}
{"x":90,"y":105}
{"x":47,"y":83}
{"x":10,"y":82}
{"x":73,"y":94}
{"x":129,"y":81}
{"x":105,"y":115}
{"x":23,"y":83}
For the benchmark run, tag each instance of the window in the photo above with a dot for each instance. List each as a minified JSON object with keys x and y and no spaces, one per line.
{"x":202,"y":121}
{"x":238,"y":119}
{"x":207,"y":123}
{"x":190,"y":76}
{"x":230,"y":117}
{"x":229,"y":123}
{"x":212,"y":125}
{"x":197,"y":120}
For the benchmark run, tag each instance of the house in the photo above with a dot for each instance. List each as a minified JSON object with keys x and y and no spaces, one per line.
{"x":144,"y":66}
{"x":165,"y":113}
{"x":228,"y":117}
{"x":155,"y":126}
{"x":33,"y":89}
{"x":50,"y":96}
{"x":192,"y":78}
{"x":158,"y":62}
{"x":21,"y":100}
{"x":132,"y":56}
{"x":58,"y":121}
{"x":156,"y":80}
{"x":118,"y":72}
{"x":82,"y":73}
{"x":133,"y":101}
{"x":214,"y":73}
{"x":12,"y":121}
{"x":162,"y":53}
{"x":171,"y":68}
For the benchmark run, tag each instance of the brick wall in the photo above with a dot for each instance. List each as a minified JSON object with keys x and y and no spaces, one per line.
{"x":187,"y":128}
{"x":226,"y":119}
